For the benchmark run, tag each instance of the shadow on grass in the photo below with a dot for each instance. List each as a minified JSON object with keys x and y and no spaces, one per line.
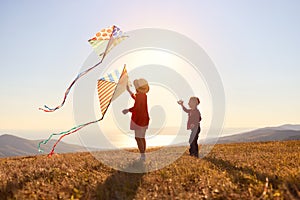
{"x":237,"y":174}
{"x":245,"y":176}
{"x":8,"y":190}
{"x":121,"y":185}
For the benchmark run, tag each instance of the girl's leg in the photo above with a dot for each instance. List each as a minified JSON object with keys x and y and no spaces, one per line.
{"x":144,"y":144}
{"x":137,"y":140}
{"x":139,"y":144}
{"x":143,"y":140}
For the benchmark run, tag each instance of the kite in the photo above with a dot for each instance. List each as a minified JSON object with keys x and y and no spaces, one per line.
{"x":109,"y":88}
{"x":102,"y":43}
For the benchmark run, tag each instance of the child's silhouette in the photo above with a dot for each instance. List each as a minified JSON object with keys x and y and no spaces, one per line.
{"x":140,"y":117}
{"x":193,"y":123}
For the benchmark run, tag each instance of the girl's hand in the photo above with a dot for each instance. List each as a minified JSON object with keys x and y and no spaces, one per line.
{"x":128,"y":88}
{"x":180,"y":102}
{"x":125,"y":111}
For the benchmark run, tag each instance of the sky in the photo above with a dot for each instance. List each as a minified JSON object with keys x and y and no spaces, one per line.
{"x":254,"y":45}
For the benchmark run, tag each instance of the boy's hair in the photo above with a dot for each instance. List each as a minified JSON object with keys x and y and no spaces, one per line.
{"x":195,"y":99}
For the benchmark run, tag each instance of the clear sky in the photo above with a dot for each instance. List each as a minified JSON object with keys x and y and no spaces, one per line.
{"x":254,"y":44}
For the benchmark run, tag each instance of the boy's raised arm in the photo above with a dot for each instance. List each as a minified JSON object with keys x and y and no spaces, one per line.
{"x":180,"y":102}
{"x":185,"y":109}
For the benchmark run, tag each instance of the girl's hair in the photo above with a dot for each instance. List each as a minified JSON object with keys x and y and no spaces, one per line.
{"x":141,"y":85}
{"x":195,"y":99}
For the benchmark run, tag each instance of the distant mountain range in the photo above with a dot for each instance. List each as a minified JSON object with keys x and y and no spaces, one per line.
{"x":279,"y":133}
{"x":15,"y":146}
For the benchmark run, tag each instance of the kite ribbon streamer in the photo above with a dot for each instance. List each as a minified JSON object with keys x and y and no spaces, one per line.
{"x":47,"y":109}
{"x":73,"y":130}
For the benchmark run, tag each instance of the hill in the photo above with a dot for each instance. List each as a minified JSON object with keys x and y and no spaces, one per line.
{"x":15,"y":146}
{"x":295,"y":127}
{"x":280,"y":133}
{"x":267,"y":170}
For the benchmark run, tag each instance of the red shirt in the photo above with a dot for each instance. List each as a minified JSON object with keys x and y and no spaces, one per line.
{"x":139,"y":111}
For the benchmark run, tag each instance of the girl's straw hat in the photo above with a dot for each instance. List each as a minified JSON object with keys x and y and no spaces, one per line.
{"x":141,"y":85}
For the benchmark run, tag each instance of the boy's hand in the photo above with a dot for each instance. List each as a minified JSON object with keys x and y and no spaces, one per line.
{"x":192,"y":126}
{"x":125,"y":111}
{"x":180,"y":102}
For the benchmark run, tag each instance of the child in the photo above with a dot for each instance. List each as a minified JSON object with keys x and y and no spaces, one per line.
{"x":193,"y":123}
{"x":140,"y":117}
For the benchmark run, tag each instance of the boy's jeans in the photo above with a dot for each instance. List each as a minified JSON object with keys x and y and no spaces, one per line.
{"x":193,"y":141}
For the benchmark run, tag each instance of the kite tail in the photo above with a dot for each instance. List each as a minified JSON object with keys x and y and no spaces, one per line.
{"x":60,"y":138}
{"x":63,"y":134}
{"x":47,"y":109}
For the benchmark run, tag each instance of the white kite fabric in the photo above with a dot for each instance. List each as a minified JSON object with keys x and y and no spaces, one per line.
{"x":109,"y":87}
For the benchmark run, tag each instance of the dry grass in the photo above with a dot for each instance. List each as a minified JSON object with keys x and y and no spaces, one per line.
{"x":233,"y":171}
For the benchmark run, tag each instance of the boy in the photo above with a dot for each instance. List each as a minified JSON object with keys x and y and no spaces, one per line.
{"x":193,"y":123}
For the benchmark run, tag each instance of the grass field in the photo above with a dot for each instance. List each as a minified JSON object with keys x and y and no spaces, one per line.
{"x":268,"y":170}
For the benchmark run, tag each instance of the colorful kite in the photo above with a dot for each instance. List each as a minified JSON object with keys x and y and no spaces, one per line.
{"x":102,"y":43}
{"x":109,"y":88}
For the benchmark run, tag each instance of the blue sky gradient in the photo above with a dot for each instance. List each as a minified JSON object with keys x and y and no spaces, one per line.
{"x":254,"y":44}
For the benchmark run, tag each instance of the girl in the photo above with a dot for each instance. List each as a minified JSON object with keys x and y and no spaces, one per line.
{"x":140,"y":116}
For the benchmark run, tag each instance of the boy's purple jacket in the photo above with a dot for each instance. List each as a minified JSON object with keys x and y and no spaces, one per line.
{"x":194,"y":117}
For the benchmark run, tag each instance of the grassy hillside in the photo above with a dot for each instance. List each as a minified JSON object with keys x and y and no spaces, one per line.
{"x":268,"y":170}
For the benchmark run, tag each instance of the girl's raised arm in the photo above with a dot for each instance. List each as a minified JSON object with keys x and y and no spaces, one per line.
{"x":129,"y":91}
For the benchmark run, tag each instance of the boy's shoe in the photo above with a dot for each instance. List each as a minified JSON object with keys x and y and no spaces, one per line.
{"x":194,"y":155}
